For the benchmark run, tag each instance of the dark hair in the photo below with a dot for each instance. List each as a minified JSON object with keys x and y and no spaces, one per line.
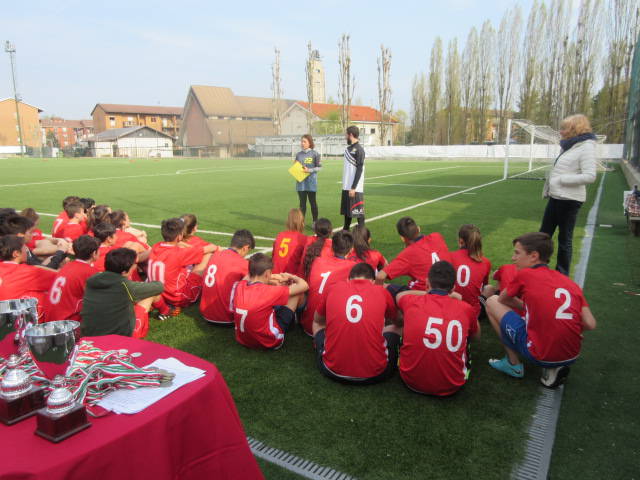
{"x":84,"y":246}
{"x":104,"y":230}
{"x":15,"y":225}
{"x":258,"y":264}
{"x":242,"y":238}
{"x":171,"y":229}
{"x":10,"y":244}
{"x":341,"y":243}
{"x":407,"y":228}
{"x":361,"y":236}
{"x":362,"y":270}
{"x":354,"y":131}
{"x":190,"y":223}
{"x":310,"y":140}
{"x":117,"y":218}
{"x":470,"y":236}
{"x":536,"y":242}
{"x":120,"y":260}
{"x":98,"y":214}
{"x":69,"y":199}
{"x":4,"y":214}
{"x":442,"y":276}
{"x":322,"y":229}
{"x":31,"y":214}
{"x":88,"y":203}
{"x":71,"y":208}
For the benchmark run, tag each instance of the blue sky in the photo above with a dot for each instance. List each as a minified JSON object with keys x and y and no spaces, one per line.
{"x":72,"y":54}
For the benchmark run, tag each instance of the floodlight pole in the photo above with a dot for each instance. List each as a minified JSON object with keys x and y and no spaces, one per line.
{"x":533,"y":133}
{"x":11,"y":50}
{"x":506,"y":152}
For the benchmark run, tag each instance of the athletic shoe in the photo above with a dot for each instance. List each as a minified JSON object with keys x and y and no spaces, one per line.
{"x":174,"y":312}
{"x":554,"y":377}
{"x":503,"y":365}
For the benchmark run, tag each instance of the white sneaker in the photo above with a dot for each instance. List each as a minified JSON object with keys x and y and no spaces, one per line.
{"x":554,"y":377}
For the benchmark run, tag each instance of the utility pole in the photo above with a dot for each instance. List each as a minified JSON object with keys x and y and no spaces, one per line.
{"x":11,"y":50}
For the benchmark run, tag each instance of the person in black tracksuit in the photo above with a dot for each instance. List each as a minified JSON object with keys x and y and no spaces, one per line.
{"x":353,"y":179}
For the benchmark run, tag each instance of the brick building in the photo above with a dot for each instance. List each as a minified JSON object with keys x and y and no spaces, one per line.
{"x":67,"y":132}
{"x":164,"y":119}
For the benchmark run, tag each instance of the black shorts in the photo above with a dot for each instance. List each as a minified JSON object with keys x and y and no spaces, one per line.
{"x":345,"y":202}
{"x":285,"y":317}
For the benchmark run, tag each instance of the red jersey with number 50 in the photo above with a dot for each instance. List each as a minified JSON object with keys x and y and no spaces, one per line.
{"x":253,"y":314}
{"x":553,"y":305}
{"x":287,"y":252}
{"x":433,"y":356}
{"x":416,"y":260}
{"x":19,"y":280}
{"x":225,"y":268}
{"x":355,"y":311}
{"x":171,"y":265}
{"x":471,"y":276}
{"x":64,"y":301}
{"x":325,"y":272}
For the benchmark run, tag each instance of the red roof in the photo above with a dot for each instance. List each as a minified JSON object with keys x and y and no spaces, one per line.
{"x":61,"y":122}
{"x":357,"y":113}
{"x":141,"y":109}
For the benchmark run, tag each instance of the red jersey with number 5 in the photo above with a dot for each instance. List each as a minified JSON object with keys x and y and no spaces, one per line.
{"x":471,"y":276}
{"x":416,"y":260}
{"x":553,"y":305}
{"x":325,"y":272}
{"x":287,"y":252}
{"x":171,"y":264}
{"x":225,"y":269}
{"x":64,"y":301}
{"x":19,"y":280}
{"x":433,"y":356}
{"x":253,"y":314}
{"x":355,"y":311}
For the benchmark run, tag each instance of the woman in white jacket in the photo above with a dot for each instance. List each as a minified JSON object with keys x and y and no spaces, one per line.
{"x":565,"y":188}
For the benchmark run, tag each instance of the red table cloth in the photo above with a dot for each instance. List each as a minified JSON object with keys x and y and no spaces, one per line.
{"x":193,"y":433}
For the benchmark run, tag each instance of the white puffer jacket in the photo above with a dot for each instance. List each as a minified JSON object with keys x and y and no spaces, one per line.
{"x":573,"y":169}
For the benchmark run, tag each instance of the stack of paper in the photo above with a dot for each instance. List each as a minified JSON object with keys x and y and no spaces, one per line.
{"x":134,"y":401}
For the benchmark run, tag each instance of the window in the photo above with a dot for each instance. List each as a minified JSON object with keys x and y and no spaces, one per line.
{"x":64,"y":129}
{"x":164,"y":122}
{"x":112,"y":121}
{"x":373,"y":130}
{"x":129,"y":119}
{"x":153,"y":119}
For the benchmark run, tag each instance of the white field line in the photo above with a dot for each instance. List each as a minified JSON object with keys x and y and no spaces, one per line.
{"x":414,"y":185}
{"x":407,"y":173}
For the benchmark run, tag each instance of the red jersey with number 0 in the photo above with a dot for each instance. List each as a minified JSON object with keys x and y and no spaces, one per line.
{"x":36,"y":234}
{"x":288,"y":248}
{"x":325,"y":272}
{"x":253,"y":314}
{"x":64,"y":301}
{"x":225,"y":268}
{"x":19,"y":280}
{"x":553,"y":305}
{"x":433,"y":356}
{"x":416,"y":260}
{"x":355,"y":311}
{"x":171,"y":265}
{"x":471,"y":276}
{"x":373,"y":258}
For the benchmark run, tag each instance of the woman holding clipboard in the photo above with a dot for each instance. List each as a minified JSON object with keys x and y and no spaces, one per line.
{"x":309,"y":160}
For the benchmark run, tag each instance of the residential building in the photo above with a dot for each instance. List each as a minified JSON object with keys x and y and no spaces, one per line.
{"x":67,"y":133}
{"x":133,"y":142}
{"x":164,"y":119}
{"x":29,"y":121}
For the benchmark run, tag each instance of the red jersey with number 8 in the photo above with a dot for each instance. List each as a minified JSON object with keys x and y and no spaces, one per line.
{"x":64,"y":301}
{"x":225,"y":268}
{"x":287,"y":252}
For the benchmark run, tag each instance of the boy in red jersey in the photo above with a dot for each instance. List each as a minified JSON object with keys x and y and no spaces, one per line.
{"x":225,"y":269}
{"x":62,"y":218}
{"x":550,"y":334}
{"x":106,"y":235}
{"x":433,"y":355}
{"x":264,"y":305}
{"x":325,"y":272}
{"x":36,"y":233}
{"x":352,"y":343}
{"x":76,"y":225}
{"x":415,"y":260}
{"x":178,"y":267}
{"x":64,"y":301}
{"x":50,"y":252}
{"x":288,"y":246}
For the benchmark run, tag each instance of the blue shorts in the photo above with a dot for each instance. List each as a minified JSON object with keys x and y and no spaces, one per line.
{"x":513,"y":331}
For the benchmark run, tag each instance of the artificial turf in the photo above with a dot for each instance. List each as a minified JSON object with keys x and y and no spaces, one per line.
{"x":381,"y":431}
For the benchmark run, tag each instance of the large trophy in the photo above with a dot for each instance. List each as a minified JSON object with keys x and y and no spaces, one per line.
{"x":53,"y":346}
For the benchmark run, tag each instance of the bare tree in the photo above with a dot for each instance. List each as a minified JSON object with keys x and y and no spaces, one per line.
{"x":346,"y":81}
{"x":276,"y":89}
{"x":308,"y":70}
{"x":434,"y":90}
{"x":531,"y":60}
{"x":418,"y":110}
{"x":486,"y":68}
{"x":452,"y":92}
{"x":508,"y":60}
{"x":384,"y":92}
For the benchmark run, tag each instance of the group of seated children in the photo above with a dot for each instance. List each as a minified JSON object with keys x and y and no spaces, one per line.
{"x":332,"y":284}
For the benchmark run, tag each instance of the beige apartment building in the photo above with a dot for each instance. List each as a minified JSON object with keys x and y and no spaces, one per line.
{"x":164,"y":119}
{"x":29,"y":120}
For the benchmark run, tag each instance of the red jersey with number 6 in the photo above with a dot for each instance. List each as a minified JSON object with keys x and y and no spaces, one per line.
{"x":471,"y":276}
{"x":433,"y":356}
{"x":224,"y":270}
{"x":171,"y":264}
{"x":325,"y":272}
{"x":553,"y":305}
{"x":287,"y":252}
{"x":355,"y":311}
{"x":64,"y":301}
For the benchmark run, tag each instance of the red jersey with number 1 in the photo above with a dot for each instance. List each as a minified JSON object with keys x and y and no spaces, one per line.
{"x":553,"y":304}
{"x":325,"y":272}
{"x":253,"y":314}
{"x":19,"y":280}
{"x":225,"y":269}
{"x":355,"y":311}
{"x":64,"y":301}
{"x":471,"y":276}
{"x":171,"y":265}
{"x":287,"y":252}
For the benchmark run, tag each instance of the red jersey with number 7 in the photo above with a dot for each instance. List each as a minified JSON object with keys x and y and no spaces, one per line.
{"x":471,"y":276}
{"x":171,"y":264}
{"x":224,"y":270}
{"x":64,"y":301}
{"x":553,"y":312}
{"x":355,"y":311}
{"x":287,"y":252}
{"x":325,"y":272}
{"x":433,"y":355}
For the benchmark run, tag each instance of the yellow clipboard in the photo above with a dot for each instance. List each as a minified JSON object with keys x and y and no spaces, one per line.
{"x":297,"y":172}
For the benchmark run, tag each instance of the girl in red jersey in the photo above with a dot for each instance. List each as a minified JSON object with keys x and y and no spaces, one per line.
{"x":98,"y":214}
{"x":289,"y":245}
{"x":317,"y":246}
{"x":362,"y":251}
{"x":36,"y":233}
{"x":472,"y":268}
{"x":190,"y":229}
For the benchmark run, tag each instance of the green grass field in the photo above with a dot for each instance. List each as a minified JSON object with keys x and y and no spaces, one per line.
{"x":377,"y":432}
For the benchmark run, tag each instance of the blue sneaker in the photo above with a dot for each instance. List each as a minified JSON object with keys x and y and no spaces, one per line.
{"x":503,"y":365}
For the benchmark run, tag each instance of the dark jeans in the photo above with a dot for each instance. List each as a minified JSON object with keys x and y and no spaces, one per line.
{"x":312,"y":201}
{"x":561,"y":214}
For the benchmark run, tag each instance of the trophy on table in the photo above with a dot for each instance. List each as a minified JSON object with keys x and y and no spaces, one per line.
{"x":19,"y":398}
{"x":53,"y":346}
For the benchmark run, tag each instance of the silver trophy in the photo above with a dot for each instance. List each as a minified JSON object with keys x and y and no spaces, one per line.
{"x":19,"y":398}
{"x":12,"y":321}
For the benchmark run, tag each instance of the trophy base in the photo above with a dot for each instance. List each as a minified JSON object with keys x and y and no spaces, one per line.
{"x":15,"y":410}
{"x":56,"y":428}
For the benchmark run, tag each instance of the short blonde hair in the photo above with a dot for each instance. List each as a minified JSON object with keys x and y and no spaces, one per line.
{"x":575,"y":125}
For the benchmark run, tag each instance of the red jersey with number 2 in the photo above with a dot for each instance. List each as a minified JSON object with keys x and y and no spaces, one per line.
{"x":64,"y":301}
{"x":225,"y":269}
{"x":471,"y":276}
{"x":287,"y":252}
